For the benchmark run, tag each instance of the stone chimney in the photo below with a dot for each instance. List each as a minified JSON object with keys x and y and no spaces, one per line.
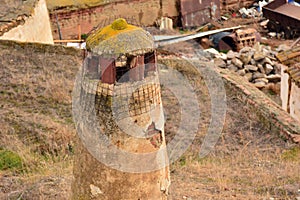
{"x":121,"y":150}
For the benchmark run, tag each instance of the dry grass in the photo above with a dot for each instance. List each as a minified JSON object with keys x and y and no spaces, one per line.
{"x":53,"y":4}
{"x":36,"y":85}
{"x":249,"y":161}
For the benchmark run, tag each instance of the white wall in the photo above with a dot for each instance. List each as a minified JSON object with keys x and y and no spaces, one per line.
{"x":295,"y":102}
{"x":284,"y":87}
{"x":36,"y":28}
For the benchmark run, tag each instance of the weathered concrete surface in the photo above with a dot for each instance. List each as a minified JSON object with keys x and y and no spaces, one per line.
{"x":268,"y":112}
{"x":36,"y":27}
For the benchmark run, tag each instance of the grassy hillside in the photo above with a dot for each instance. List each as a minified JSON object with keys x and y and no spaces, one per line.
{"x":36,"y":83}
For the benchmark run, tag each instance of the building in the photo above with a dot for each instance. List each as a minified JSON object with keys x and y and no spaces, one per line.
{"x":290,"y":81}
{"x":83,"y":16}
{"x":119,"y":92}
{"x":25,"y":21}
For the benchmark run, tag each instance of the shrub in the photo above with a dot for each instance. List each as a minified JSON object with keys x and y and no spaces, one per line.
{"x":9,"y":160}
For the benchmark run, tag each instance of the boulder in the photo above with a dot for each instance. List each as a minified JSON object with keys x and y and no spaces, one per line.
{"x":245,"y":58}
{"x":258,"y":56}
{"x":261,"y":68}
{"x":233,"y":68}
{"x":252,"y":62}
{"x":267,"y":60}
{"x":241,"y":72}
{"x":231,"y":54}
{"x":261,"y":80}
{"x":260,"y":85}
{"x":274,"y":78}
{"x":251,"y":68}
{"x":268,"y":68}
{"x":237,"y":62}
{"x":249,"y":76}
{"x":219,"y":62}
{"x":257,"y":75}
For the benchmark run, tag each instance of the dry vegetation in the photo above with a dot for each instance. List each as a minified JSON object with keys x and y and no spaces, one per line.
{"x":36,"y":121}
{"x":249,"y":162}
{"x":54,"y":4}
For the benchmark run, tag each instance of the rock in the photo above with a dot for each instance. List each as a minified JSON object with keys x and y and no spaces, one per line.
{"x":272,"y":34}
{"x":268,"y":61}
{"x":248,"y":76}
{"x":241,"y":72}
{"x":232,"y":68}
{"x":252,"y":62}
{"x":261,"y":80}
{"x":237,"y":62}
{"x":205,"y":43}
{"x":267,"y":48}
{"x":213,"y":51}
{"x":257,"y":75}
{"x":258,"y":56}
{"x":231,"y":54}
{"x":268,"y":68}
{"x":282,"y":47}
{"x":219,"y":62}
{"x":257,"y":47}
{"x":223,"y":56}
{"x":264,"y":23}
{"x":228,"y":62}
{"x":274,"y":78}
{"x":261,"y":68}
{"x":277,"y":68}
{"x":260,"y":85}
{"x":275,"y":87}
{"x":247,"y":50}
{"x":272,"y":55}
{"x":245,"y":58}
{"x":251,"y":68}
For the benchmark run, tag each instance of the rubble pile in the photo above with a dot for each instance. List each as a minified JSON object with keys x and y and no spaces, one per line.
{"x":258,"y":64}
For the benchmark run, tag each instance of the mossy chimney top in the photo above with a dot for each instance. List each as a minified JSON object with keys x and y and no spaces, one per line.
{"x":120,"y":38}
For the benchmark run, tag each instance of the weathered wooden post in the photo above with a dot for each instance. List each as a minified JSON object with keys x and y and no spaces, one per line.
{"x":121,"y":153}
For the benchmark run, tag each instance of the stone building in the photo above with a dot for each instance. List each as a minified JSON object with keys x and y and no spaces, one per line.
{"x":119,"y":117}
{"x":290,"y":81}
{"x":77,"y":16}
{"x":25,"y":21}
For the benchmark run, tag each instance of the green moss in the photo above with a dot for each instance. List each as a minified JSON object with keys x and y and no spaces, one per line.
{"x":119,"y":24}
{"x":117,"y":27}
{"x":292,"y":154}
{"x":10,"y":160}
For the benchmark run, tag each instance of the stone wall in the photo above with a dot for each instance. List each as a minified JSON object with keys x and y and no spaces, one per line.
{"x":137,"y":12}
{"x":294,"y":101}
{"x":267,"y":111}
{"x":35,"y":29}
